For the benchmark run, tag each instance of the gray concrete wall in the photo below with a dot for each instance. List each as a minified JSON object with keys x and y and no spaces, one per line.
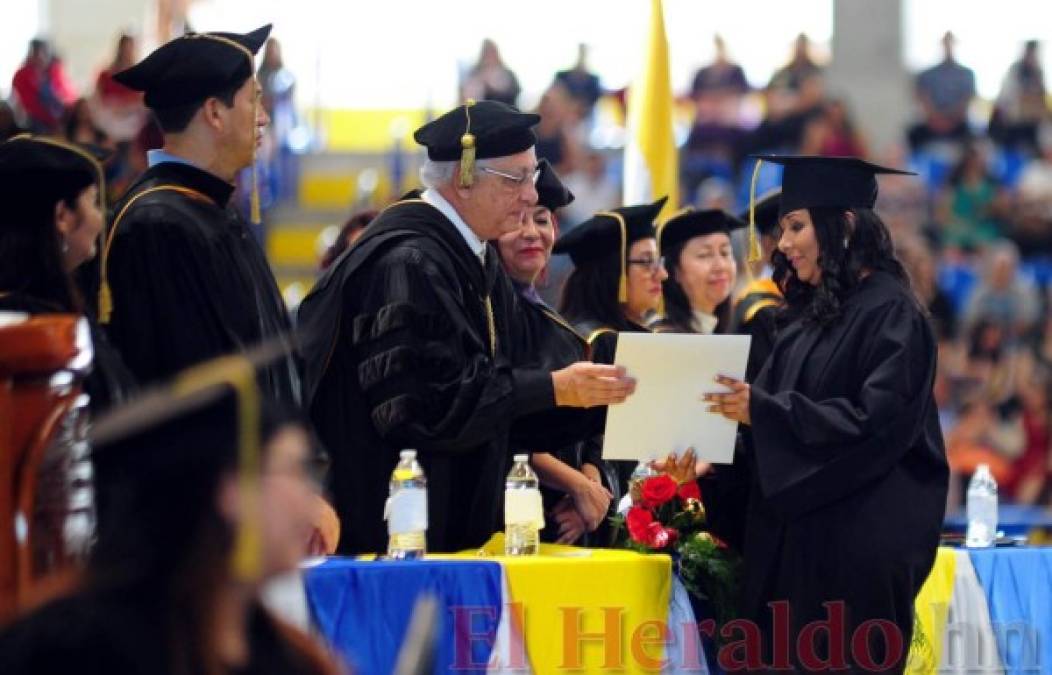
{"x":867,"y":68}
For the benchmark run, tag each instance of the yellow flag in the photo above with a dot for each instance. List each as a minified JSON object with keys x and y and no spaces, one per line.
{"x":651,"y":162}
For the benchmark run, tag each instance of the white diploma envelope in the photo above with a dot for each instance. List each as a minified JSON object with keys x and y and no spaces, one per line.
{"x":666,"y":414}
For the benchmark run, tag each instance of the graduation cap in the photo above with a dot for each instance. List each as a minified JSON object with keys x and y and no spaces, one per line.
{"x":689,"y":223}
{"x":765,"y":212}
{"x":195,"y":66}
{"x":206,"y":421}
{"x":41,"y":169}
{"x":810,"y":181}
{"x":477,"y":130}
{"x":36,"y":168}
{"x":608,"y":232}
{"x":551,"y":193}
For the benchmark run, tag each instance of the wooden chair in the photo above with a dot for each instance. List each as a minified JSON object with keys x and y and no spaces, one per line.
{"x":43,"y":466}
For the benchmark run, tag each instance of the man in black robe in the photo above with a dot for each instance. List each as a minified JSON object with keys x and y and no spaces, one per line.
{"x":414,"y":339}
{"x":189,"y":282}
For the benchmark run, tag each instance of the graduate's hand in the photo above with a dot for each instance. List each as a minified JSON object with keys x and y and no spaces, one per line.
{"x":592,"y":501}
{"x":734,"y":405}
{"x":684,"y":469}
{"x":571,"y":525}
{"x":585,"y":385}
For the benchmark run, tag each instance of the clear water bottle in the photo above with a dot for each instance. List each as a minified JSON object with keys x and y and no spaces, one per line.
{"x":523,"y":510}
{"x":407,"y":509}
{"x":982,"y":508}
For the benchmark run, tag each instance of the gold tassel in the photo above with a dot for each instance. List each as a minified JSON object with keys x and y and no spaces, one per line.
{"x":105,"y":299}
{"x":755,"y":252}
{"x":622,"y":286}
{"x":236,"y":371}
{"x":467,"y":149}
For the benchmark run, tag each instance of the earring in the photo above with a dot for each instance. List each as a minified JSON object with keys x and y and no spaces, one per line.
{"x":65,"y":245}
{"x":845,"y":243}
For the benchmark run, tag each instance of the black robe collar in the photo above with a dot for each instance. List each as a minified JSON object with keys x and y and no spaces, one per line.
{"x":187,"y":175}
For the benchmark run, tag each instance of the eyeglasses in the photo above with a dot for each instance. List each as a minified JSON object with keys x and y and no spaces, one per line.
{"x":512,"y":180}
{"x":652,"y":265}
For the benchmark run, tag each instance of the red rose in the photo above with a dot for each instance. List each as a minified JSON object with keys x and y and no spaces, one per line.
{"x":638,"y":519}
{"x":658,"y":490}
{"x":659,"y":537}
{"x":689,"y":490}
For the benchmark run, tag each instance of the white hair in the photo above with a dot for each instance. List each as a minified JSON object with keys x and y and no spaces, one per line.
{"x":435,"y":174}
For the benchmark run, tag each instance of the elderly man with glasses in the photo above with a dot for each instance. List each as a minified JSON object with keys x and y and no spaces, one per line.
{"x":413,"y":340}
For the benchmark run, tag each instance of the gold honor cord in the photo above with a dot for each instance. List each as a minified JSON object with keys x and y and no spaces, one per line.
{"x":105,"y":299}
{"x":104,"y":290}
{"x":256,"y":215}
{"x":491,"y":326}
{"x":238,"y":372}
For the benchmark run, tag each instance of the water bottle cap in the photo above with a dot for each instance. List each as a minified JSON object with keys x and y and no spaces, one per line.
{"x":522,"y":458}
{"x":407,"y":454}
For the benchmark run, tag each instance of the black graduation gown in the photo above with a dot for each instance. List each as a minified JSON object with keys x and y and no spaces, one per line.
{"x":397,"y":354}
{"x":190,"y":282}
{"x":109,"y":382}
{"x":850,"y":470}
{"x":125,"y":632}
{"x":550,"y":342}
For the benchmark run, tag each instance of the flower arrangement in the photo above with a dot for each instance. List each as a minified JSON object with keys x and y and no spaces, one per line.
{"x":666,"y":517}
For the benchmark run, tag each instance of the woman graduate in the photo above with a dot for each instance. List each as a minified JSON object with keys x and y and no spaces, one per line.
{"x":850,"y":471}
{"x":574,"y":498}
{"x":618,"y":271}
{"x":53,"y":194}
{"x":697,"y":248}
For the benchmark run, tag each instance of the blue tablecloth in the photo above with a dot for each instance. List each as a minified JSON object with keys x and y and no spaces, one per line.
{"x":345,"y":595}
{"x":1018,"y":587}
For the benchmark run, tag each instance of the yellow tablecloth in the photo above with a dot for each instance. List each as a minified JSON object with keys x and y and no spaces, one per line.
{"x":572,"y":593}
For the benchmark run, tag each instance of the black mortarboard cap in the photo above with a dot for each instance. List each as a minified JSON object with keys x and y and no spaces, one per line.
{"x":36,"y":169}
{"x":551,"y":193}
{"x":690,"y":223}
{"x":193,"y":67}
{"x":477,"y":130}
{"x":816,"y":182}
{"x":610,"y":232}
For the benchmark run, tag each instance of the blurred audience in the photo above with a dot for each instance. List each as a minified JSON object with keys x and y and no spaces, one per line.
{"x":489,"y":79}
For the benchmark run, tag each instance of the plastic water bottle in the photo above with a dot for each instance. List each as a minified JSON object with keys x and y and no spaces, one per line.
{"x":982,"y":508}
{"x":523,"y":510}
{"x":407,"y":509}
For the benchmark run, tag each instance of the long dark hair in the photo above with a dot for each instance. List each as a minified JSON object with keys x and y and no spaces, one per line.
{"x":869,"y":250}
{"x":678,"y":310}
{"x":31,"y":257}
{"x":590,"y":294}
{"x":164,"y":537}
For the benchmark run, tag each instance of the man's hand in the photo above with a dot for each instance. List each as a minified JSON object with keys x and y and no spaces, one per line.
{"x":586,"y":385}
{"x":592,"y":501}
